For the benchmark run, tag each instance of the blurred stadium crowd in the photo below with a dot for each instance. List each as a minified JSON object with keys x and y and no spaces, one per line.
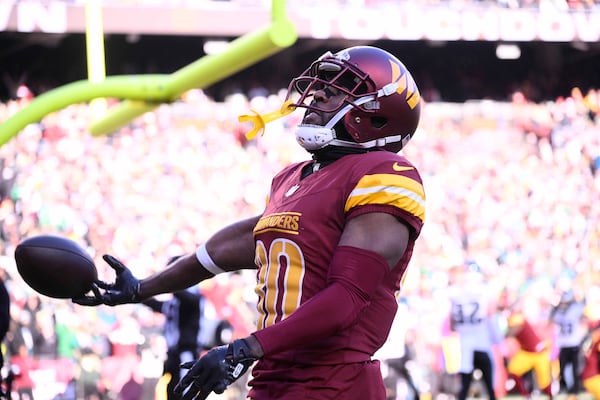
{"x":511,"y":185}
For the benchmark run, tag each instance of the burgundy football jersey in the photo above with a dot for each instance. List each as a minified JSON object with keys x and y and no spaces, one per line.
{"x":299,"y":232}
{"x":526,"y":336}
{"x":591,"y":367}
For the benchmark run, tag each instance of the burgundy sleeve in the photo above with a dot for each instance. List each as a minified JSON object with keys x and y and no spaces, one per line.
{"x":354,"y":276}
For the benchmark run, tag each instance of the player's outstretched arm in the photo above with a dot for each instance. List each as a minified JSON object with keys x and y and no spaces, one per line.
{"x":230,"y":249}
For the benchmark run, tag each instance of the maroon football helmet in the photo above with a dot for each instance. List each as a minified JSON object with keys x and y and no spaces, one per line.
{"x":382,"y":104}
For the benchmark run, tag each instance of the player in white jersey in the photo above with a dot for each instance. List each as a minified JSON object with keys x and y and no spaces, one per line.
{"x":477,"y":330}
{"x":569,"y":318}
{"x":396,"y":354}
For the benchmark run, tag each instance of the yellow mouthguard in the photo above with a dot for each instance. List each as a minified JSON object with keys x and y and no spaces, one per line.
{"x":260,"y":120}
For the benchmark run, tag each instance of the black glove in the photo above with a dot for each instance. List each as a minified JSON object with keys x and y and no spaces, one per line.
{"x":125,"y":289}
{"x":216,"y":370}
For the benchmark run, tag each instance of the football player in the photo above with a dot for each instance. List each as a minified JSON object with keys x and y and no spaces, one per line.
{"x":330,"y":248}
{"x":184,"y":330}
{"x":591,"y":368}
{"x":533,"y":355}
{"x":569,"y":318}
{"x":477,"y":330}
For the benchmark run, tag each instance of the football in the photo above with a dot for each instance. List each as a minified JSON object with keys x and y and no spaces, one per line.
{"x":55,"y":266}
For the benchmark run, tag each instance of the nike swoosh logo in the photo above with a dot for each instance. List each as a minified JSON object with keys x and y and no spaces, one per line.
{"x":400,"y":168}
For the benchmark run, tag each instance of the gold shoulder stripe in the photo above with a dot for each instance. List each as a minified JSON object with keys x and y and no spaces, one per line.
{"x":368,"y":182}
{"x":389,"y":189}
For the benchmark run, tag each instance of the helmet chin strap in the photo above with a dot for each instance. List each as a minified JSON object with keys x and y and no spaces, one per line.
{"x":315,"y":137}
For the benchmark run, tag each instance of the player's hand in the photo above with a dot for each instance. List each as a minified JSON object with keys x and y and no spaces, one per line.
{"x":216,"y":370}
{"x":124,"y":290}
{"x":86,"y":300}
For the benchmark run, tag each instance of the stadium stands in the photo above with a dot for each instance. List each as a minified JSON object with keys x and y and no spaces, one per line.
{"x":514,"y":185}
